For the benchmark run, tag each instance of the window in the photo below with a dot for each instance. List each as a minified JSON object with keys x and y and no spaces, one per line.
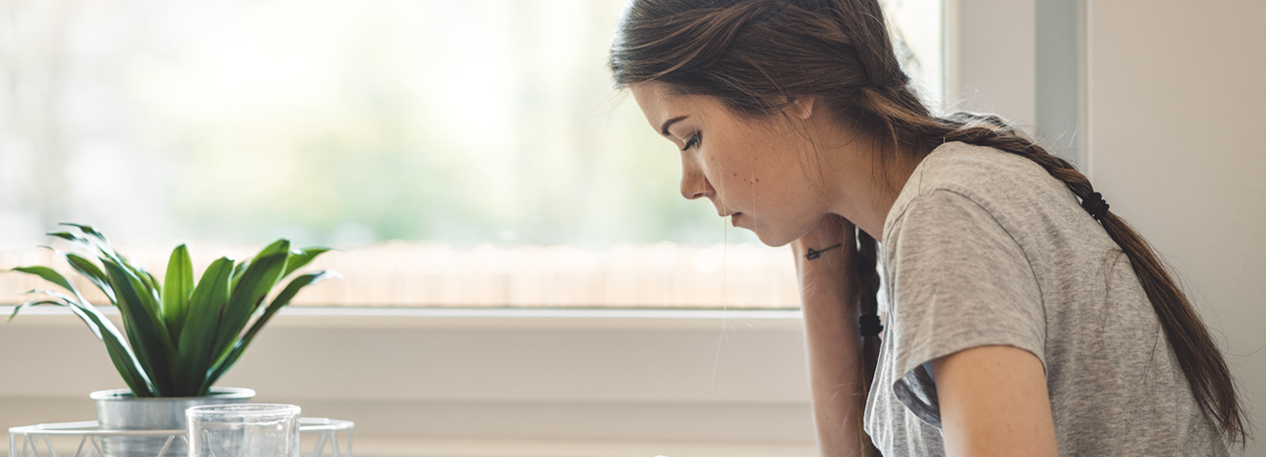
{"x":460,"y":153}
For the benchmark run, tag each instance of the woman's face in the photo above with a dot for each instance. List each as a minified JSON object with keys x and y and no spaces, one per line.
{"x":752,"y":170}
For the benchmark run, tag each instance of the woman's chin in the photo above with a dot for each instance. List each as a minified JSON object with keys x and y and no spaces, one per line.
{"x":769,"y":236}
{"x":771,"y":239}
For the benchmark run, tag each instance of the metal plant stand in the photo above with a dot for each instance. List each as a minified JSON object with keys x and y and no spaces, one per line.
{"x":328,"y":438}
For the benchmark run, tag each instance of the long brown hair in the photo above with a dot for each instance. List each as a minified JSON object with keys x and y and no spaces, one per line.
{"x":753,"y":55}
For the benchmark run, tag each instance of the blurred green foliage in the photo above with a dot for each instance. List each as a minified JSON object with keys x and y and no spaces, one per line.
{"x":462,"y":122}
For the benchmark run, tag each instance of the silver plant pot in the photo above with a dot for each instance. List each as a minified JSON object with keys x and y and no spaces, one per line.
{"x":120,"y":410}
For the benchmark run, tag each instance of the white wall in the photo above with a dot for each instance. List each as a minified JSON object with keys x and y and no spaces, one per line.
{"x":1176,"y":97}
{"x":982,"y":36}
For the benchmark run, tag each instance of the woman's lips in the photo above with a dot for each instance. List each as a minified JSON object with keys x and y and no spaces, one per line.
{"x":734,"y":219}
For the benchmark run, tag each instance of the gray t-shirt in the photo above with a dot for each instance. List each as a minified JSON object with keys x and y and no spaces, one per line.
{"x":984,"y":247}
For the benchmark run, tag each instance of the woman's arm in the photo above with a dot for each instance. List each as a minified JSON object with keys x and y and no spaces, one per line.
{"x":993,"y":402}
{"x":831,"y":333}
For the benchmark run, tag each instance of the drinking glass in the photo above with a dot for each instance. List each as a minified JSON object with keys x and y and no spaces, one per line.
{"x":244,"y":430}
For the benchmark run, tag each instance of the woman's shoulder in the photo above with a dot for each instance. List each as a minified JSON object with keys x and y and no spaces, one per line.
{"x":971,"y":169}
{"x":999,"y":182}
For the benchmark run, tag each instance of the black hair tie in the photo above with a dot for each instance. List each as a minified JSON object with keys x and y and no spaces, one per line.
{"x":870,"y":325}
{"x":1095,"y":205}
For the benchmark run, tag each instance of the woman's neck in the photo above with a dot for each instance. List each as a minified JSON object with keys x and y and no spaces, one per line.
{"x":863,"y":178}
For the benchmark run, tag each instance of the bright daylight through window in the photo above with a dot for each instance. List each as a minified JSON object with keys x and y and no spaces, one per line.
{"x":458,"y":153}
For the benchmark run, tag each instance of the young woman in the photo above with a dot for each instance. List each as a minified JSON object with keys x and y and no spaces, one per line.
{"x":1023,"y":317}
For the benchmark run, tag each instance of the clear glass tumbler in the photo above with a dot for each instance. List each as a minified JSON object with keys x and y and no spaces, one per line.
{"x":244,"y":430}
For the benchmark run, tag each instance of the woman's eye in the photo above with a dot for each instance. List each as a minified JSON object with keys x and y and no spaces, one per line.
{"x":694,"y":141}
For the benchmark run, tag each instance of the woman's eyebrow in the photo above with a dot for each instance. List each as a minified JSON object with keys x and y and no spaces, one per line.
{"x":670,"y":122}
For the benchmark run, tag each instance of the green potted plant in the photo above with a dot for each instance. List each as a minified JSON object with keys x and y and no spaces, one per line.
{"x":179,"y":336}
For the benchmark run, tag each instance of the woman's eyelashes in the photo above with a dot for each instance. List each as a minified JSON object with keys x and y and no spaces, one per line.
{"x":693,"y":141}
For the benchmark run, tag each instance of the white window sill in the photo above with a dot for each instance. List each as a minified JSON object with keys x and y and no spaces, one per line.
{"x":524,"y":318}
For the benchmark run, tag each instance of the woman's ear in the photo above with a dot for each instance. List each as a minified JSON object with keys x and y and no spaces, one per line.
{"x":801,"y":108}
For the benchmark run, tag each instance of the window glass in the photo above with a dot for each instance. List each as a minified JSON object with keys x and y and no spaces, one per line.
{"x":460,"y":153}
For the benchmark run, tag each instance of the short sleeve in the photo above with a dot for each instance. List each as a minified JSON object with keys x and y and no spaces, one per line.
{"x":957,"y":280}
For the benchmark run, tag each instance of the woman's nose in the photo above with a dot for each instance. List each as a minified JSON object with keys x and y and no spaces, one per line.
{"x":694,"y":184}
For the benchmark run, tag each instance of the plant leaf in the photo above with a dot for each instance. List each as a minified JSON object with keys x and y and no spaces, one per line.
{"x":74,"y":238}
{"x":89,"y":270}
{"x":237,"y":274}
{"x":121,"y":354}
{"x":145,"y":330}
{"x":91,"y":235}
{"x":152,"y":286}
{"x":122,"y":357}
{"x":93,"y":239}
{"x":49,"y":275}
{"x":301,"y":257}
{"x":57,"y":300}
{"x":86,"y":229}
{"x":176,"y":295}
{"x":29,"y":304}
{"x":68,"y":236}
{"x":98,"y":322}
{"x":281,"y":300}
{"x":148,"y":289}
{"x":198,"y":334}
{"x":59,"y":296}
{"x":255,"y":283}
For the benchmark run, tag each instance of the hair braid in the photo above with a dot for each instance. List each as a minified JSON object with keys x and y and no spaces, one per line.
{"x":1203,"y":366}
{"x":867,"y":282}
